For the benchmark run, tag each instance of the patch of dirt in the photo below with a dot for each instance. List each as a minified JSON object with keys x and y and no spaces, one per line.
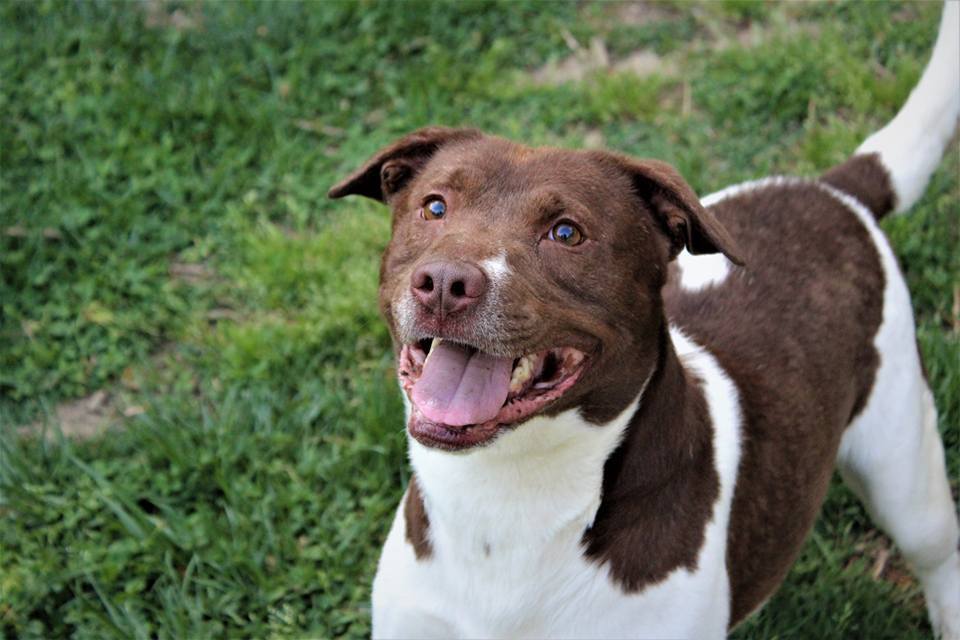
{"x":316,"y":125}
{"x":48,"y":233}
{"x":645,"y":63}
{"x":575,"y":67}
{"x":886,"y":564}
{"x":191,"y":272}
{"x":723,"y":35}
{"x":593,"y":139}
{"x":85,"y":417}
{"x":639,"y":13}
{"x":103,"y":409}
{"x":157,"y":15}
{"x":595,"y":58}
{"x":714,"y":33}
{"x":82,"y":418}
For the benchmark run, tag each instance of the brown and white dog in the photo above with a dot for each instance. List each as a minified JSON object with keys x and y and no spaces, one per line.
{"x":625,"y":403}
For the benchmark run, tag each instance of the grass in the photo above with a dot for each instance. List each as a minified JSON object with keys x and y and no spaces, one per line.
{"x":164,"y":237}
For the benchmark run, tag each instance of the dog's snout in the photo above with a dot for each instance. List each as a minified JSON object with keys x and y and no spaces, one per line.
{"x":448,"y":287}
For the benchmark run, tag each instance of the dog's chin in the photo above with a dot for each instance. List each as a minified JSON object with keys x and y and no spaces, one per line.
{"x":536,"y":381}
{"x":447,"y":438}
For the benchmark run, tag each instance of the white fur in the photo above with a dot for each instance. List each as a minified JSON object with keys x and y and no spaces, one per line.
{"x":751,"y":185}
{"x":701,"y":271}
{"x":505,"y":528}
{"x":891,"y":454}
{"x":496,"y":269}
{"x":405,"y":315}
{"x":911,"y":145}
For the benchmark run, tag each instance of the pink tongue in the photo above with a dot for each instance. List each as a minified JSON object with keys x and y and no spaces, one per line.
{"x":458,"y":388}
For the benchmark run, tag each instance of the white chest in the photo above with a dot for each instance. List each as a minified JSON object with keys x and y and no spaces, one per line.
{"x":505,"y":529}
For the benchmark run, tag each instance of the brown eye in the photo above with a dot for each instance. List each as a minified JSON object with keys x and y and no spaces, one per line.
{"x":566,"y":233}
{"x":434,"y":209}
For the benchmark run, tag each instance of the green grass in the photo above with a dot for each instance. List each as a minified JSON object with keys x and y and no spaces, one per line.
{"x":164,"y":236}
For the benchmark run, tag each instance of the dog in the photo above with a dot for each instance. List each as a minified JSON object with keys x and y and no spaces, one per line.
{"x":625,"y":403}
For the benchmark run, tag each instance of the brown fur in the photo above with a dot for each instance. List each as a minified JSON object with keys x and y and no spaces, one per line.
{"x":865,"y":178}
{"x":660,"y":485}
{"x":416,"y":521}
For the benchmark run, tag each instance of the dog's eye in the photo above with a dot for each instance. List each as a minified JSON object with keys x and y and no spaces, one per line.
{"x":433,"y":209}
{"x":566,"y":233}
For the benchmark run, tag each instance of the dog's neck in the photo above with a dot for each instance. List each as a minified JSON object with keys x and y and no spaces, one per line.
{"x":541,"y":483}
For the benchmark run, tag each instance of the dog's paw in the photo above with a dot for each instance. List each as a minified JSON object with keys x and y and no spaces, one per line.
{"x":941,"y":587}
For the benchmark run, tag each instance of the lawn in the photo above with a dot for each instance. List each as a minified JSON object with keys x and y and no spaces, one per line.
{"x":170,"y":267}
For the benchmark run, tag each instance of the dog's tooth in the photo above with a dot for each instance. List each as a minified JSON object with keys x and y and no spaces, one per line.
{"x":573,"y":358}
{"x":521,"y":373}
{"x":435,"y":343}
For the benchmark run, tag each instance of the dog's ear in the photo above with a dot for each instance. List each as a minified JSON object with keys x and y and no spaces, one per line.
{"x":676,"y":208}
{"x":392,"y":167}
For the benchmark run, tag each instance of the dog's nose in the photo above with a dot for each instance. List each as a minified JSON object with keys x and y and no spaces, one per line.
{"x":448,"y":287}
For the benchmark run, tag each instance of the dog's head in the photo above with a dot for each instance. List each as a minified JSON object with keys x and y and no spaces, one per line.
{"x":521,"y":281}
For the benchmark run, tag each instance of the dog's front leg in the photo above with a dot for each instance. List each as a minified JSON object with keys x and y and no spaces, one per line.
{"x":402,"y":607}
{"x":392,"y":621}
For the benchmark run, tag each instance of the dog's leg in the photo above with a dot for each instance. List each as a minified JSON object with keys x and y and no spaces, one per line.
{"x":401,"y":604}
{"x":891,"y":454}
{"x":892,"y":457}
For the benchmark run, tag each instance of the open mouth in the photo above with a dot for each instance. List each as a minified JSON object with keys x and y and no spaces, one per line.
{"x":461,"y":396}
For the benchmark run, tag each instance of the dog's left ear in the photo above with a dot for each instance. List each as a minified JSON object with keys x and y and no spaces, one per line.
{"x":676,"y":208}
{"x":391,"y":168}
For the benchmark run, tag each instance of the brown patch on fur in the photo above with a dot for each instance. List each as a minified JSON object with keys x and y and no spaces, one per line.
{"x":865,"y":178}
{"x":660,"y":485}
{"x":417,"y":522}
{"x":794,"y":330}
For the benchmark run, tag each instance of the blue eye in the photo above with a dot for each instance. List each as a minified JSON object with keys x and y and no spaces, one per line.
{"x":434,"y":209}
{"x":566,"y":233}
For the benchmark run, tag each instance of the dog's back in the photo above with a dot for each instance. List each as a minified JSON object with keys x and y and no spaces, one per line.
{"x":822,"y":300}
{"x":794,"y":330}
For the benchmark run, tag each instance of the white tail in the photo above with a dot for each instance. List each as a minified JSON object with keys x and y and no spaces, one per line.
{"x":911,"y":145}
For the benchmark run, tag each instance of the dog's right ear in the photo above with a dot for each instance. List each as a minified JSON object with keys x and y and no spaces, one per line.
{"x":391,"y":168}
